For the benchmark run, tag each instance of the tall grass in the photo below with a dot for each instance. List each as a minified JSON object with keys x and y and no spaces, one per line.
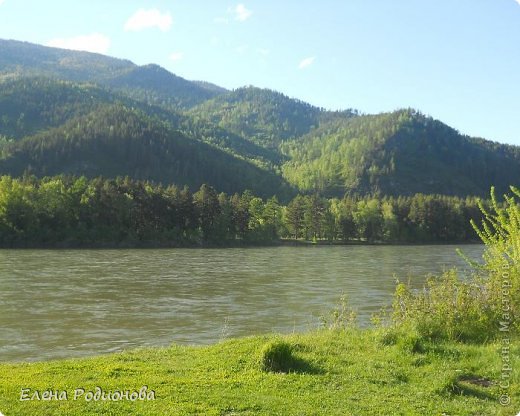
{"x":476,"y":309}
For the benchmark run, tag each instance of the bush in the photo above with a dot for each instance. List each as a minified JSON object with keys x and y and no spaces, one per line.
{"x":447,"y":308}
{"x":277,"y":356}
{"x":407,"y":340}
{"x":342,"y":317}
{"x":476,"y":309}
{"x":500,"y":233}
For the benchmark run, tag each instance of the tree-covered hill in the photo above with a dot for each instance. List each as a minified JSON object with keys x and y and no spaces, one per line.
{"x":154,"y":84}
{"x":398,"y":153}
{"x":64,"y":111}
{"x":32,"y":104}
{"x":150,"y":82}
{"x":29,"y":105}
{"x":114,"y":140}
{"x":263,"y":116}
{"x":31,"y":59}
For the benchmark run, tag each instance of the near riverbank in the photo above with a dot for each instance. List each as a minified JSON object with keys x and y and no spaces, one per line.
{"x":326,"y":372}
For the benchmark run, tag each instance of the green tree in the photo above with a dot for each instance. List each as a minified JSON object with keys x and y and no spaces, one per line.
{"x":208,"y":207}
{"x":272,"y":216}
{"x":346,"y":222}
{"x":224,"y":229}
{"x":390,"y":226}
{"x":241,"y":215}
{"x":315,"y":209}
{"x":368,"y":219}
{"x":295,"y":216}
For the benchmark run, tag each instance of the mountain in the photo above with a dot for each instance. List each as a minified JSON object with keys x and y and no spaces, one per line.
{"x":32,"y":104}
{"x":75,"y":112}
{"x":150,"y":82}
{"x":29,"y":105}
{"x":398,"y":153}
{"x":25,"y":58}
{"x":263,"y":116}
{"x":116,"y":141}
{"x":154,"y":84}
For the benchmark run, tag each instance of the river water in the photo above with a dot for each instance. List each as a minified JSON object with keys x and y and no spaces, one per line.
{"x":69,"y":303}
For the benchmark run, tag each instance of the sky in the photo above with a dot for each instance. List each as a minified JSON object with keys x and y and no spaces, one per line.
{"x":455,"y":60}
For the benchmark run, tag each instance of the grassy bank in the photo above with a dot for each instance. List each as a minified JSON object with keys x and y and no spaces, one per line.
{"x":329,"y":372}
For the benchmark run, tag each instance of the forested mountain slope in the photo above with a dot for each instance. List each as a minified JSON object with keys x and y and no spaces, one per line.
{"x":116,"y":141}
{"x":32,"y":104}
{"x":398,"y":153}
{"x":263,"y":116}
{"x":65,"y":111}
{"x":150,"y":82}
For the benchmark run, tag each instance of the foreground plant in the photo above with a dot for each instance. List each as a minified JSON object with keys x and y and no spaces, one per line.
{"x":479,"y":308}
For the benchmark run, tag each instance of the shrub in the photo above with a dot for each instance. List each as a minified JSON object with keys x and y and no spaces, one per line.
{"x":277,"y":356}
{"x":500,"y":232}
{"x":447,"y":307}
{"x":475,"y":309}
{"x":406,"y":339}
{"x":341,"y":317}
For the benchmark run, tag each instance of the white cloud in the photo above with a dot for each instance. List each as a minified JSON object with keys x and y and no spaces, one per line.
{"x":306,"y":62}
{"x":241,"y":12}
{"x":145,"y":19}
{"x":176,"y":56}
{"x":518,"y":1}
{"x":1,"y":2}
{"x":95,"y":42}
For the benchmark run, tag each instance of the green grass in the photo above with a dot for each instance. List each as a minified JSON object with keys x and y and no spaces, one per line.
{"x":333,"y":372}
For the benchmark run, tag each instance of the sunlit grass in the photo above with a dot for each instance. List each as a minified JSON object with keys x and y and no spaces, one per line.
{"x":333,"y":372}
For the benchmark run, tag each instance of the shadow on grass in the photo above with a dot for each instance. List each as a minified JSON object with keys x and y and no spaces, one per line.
{"x":470,"y":385}
{"x":301,"y":366}
{"x":278,"y":357}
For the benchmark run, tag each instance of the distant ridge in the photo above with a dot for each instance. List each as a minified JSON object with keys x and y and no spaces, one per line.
{"x":150,"y":81}
{"x":64,"y":111}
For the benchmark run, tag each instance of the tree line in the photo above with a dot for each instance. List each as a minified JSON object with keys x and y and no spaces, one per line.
{"x":65,"y":210}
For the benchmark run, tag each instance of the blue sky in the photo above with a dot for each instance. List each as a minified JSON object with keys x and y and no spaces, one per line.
{"x":456,"y":60}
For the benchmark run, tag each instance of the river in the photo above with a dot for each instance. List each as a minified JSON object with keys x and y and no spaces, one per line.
{"x":70,"y":303}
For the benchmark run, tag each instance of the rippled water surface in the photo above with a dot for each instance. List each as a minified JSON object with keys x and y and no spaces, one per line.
{"x":66,"y":303}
